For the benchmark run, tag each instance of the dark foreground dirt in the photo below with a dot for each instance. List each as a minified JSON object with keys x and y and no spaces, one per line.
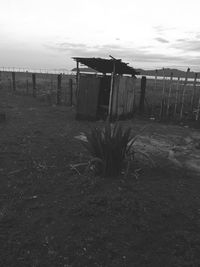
{"x":52,"y":216}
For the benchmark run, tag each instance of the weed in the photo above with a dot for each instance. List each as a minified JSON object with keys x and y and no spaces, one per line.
{"x":110,"y":148}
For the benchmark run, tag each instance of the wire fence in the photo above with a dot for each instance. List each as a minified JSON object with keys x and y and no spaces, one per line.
{"x":50,"y":87}
{"x":173,"y":98}
{"x":165,"y":98}
{"x":32,"y":70}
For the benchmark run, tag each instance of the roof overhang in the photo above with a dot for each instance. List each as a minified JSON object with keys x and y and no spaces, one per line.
{"x":107,"y":65}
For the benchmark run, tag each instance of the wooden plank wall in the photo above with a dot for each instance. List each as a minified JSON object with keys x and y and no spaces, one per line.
{"x":123,"y":96}
{"x":87,"y":101}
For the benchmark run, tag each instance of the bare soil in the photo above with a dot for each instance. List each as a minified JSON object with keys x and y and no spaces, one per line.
{"x":52,"y":216}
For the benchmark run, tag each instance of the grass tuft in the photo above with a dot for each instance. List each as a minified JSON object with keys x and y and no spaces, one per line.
{"x":110,"y":148}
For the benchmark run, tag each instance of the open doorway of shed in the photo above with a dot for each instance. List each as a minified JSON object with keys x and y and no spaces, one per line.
{"x":104,"y":97}
{"x":93,"y":97}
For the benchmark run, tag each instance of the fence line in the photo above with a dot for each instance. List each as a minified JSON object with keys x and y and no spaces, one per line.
{"x":32,"y":70}
{"x":161,"y":98}
{"x":173,"y":98}
{"x":50,"y":87}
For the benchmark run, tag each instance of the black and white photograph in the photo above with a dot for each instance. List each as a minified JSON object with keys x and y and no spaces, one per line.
{"x":99,"y":133}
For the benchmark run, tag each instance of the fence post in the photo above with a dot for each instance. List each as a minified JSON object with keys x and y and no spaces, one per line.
{"x":162,"y":97}
{"x":194,"y":91}
{"x":198,"y":110}
{"x":71,"y":91}
{"x":77,"y":78}
{"x":184,"y":90}
{"x":13,"y":81}
{"x":34,"y":84}
{"x":59,"y":77}
{"x":176,"y":99}
{"x":169,"y":94}
{"x":142,"y":94}
{"x":0,"y":79}
{"x":27,"y":82}
{"x":110,"y":106}
{"x":51,"y":83}
{"x":27,"y":86}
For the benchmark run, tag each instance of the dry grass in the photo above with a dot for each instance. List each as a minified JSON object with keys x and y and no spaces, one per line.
{"x":51,"y":216}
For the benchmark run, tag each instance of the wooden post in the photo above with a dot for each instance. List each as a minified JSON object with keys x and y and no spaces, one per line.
{"x":198,"y":110}
{"x":51,"y":85}
{"x":194,"y":91}
{"x":27,"y":83}
{"x":154,"y":91}
{"x":176,"y":99}
{"x":142,"y":94}
{"x":169,"y":94}
{"x":134,"y":99}
{"x":156,"y":76}
{"x":27,"y":86}
{"x":77,"y":78}
{"x":34,"y":84}
{"x":163,"y":96}
{"x":13,"y":81}
{"x":111,"y":92}
{"x":59,"y":77}
{"x":71,"y":91}
{"x":183,"y":95}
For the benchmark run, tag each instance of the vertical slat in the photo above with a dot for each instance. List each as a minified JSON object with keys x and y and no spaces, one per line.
{"x":59,"y":78}
{"x":34,"y":84}
{"x":77,"y":78}
{"x":169,"y":94}
{"x":193,"y":91}
{"x":176,"y":98}
{"x":183,"y":95}
{"x":155,"y":84}
{"x":129,"y":95}
{"x":120,"y":96}
{"x":117,"y":95}
{"x":71,"y":91}
{"x":134,"y":93}
{"x":126,"y":100}
{"x":163,"y":96}
{"x":123,"y":93}
{"x":13,"y":81}
{"x":114,"y":96}
{"x":74,"y":96}
{"x":154,"y":92}
{"x":27,"y":84}
{"x":198,"y":109}
{"x":142,"y":94}
{"x":111,"y":91}
{"x":0,"y":79}
{"x":51,"y":87}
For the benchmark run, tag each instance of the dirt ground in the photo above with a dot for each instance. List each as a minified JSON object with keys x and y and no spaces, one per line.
{"x":52,"y":216}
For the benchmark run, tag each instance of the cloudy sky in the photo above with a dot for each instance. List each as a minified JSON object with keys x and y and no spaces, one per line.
{"x":146,"y":33}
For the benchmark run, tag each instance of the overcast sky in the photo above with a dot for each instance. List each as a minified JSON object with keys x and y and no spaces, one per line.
{"x":146,"y":33}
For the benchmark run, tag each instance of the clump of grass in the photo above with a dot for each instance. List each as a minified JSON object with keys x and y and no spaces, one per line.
{"x":110,"y":148}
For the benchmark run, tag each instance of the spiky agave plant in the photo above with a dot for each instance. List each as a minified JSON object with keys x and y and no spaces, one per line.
{"x":109,"y":147}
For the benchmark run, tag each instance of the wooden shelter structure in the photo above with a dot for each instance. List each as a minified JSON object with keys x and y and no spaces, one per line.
{"x":109,"y":92}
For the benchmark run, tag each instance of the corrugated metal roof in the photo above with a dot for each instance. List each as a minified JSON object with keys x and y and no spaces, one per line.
{"x":106,"y":65}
